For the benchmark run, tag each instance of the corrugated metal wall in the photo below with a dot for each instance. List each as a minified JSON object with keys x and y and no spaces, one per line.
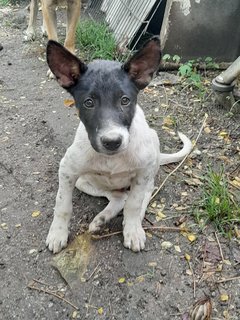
{"x":124,"y":17}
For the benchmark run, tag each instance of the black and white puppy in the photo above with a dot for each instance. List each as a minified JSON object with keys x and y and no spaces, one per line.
{"x":114,"y":154}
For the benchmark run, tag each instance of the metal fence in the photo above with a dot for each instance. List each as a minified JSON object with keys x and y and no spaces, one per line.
{"x":127,"y":19}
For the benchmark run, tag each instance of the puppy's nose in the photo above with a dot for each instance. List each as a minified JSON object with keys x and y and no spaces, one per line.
{"x":112,"y":143}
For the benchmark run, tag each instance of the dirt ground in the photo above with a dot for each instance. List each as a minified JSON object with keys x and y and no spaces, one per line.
{"x":113,"y":283}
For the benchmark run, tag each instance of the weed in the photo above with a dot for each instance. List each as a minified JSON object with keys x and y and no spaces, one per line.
{"x":4,"y":3}
{"x":218,"y":205}
{"x":95,"y":40}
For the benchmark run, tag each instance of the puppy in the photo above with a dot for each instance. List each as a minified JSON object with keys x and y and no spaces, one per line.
{"x":114,"y":154}
{"x":50,"y":20}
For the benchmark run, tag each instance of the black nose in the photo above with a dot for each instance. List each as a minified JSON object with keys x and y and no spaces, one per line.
{"x":111,"y":144}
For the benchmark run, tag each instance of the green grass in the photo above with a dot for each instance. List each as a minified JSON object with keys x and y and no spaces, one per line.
{"x":217,"y":204}
{"x":4,"y":3}
{"x":95,"y":41}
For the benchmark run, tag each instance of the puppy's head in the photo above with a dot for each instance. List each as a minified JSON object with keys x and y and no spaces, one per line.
{"x":105,"y":92}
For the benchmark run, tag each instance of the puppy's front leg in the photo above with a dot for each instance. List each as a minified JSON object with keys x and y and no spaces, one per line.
{"x":58,"y":232}
{"x":134,"y":211}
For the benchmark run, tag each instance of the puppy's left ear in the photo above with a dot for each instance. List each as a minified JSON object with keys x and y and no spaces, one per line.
{"x":66,"y":67}
{"x":142,"y":65}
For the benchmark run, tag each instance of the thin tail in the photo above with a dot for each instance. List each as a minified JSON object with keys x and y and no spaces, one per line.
{"x":178,"y":156}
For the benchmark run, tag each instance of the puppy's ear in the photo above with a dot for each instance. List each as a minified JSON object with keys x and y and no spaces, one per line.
{"x":64,"y":65}
{"x":142,"y":65}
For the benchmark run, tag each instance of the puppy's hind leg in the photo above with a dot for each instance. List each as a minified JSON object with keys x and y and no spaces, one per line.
{"x":116,"y":203}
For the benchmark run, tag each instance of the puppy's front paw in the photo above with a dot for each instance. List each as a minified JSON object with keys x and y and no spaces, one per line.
{"x":134,"y":237}
{"x":57,"y":236}
{"x":97,"y":224}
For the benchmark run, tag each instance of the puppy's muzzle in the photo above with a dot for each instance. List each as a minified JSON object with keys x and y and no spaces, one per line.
{"x":111,"y":143}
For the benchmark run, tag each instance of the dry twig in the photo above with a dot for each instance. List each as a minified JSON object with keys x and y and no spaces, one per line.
{"x":219,"y":246}
{"x":163,"y":229}
{"x":32,"y":286}
{"x":228,"y":279}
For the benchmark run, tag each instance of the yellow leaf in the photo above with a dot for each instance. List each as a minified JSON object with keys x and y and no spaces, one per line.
{"x":4,"y":226}
{"x":236,"y":182}
{"x":121,"y":280}
{"x":160,"y":215}
{"x":75,"y":314}
{"x":149,"y":235}
{"x":228,"y":262}
{"x":69,"y":103}
{"x":130,"y":284}
{"x":154,"y":204}
{"x":166,"y":244}
{"x":140,"y":279}
{"x":100,"y":311}
{"x":187,"y":257}
{"x":152,"y":264}
{"x":191,"y":237}
{"x":36,"y":213}
{"x":224,"y":297}
{"x":207,"y":130}
{"x":223,"y":134}
{"x":189,"y":272}
{"x":177,"y":248}
{"x":168,"y":121}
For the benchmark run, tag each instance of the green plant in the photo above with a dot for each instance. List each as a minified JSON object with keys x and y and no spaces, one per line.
{"x":4,"y":3}
{"x":217,"y":204}
{"x":95,"y":40}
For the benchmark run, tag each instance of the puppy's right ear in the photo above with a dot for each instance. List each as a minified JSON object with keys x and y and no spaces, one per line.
{"x":64,"y":65}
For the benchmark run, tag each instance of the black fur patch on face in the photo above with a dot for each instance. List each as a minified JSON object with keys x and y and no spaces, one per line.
{"x":104,"y":95}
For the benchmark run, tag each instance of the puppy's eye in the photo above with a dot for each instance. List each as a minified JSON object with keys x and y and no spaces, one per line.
{"x":88,"y":103}
{"x":125,"y":101}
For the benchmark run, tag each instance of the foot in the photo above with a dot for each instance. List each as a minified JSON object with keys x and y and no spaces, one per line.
{"x":57,"y":235}
{"x":134,"y":236}
{"x":97,"y":224}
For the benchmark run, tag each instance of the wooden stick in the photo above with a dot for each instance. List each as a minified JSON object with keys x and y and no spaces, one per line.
{"x":228,"y":279}
{"x":163,"y":229}
{"x":219,"y":246}
{"x":183,"y":160}
{"x":51,"y":293}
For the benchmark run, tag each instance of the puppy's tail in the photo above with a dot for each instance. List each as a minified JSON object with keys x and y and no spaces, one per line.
{"x":178,"y":156}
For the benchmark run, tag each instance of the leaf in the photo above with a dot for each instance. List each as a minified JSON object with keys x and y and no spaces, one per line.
{"x":187,"y":257}
{"x":121,"y":280}
{"x":224,"y":297}
{"x":4,"y":226}
{"x":168,"y":121}
{"x":176,"y":58}
{"x":191,"y":237}
{"x":185,"y":70}
{"x":100,"y":311}
{"x":166,"y":244}
{"x":36,"y":213}
{"x":207,"y":129}
{"x":149,"y":235}
{"x":223,"y":134}
{"x":193,"y":182}
{"x":69,"y":103}
{"x":177,"y":248}
{"x":189,"y":272}
{"x":236,"y":182}
{"x":166,"y":57}
{"x":160,"y":215}
{"x":152,"y":264}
